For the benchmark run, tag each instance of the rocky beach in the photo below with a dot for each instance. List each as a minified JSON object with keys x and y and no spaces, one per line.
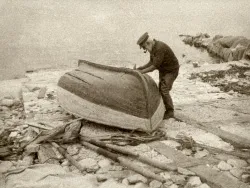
{"x":213,"y":115}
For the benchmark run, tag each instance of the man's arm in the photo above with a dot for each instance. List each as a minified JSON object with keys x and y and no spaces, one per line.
{"x":144,"y":66}
{"x":148,"y":69}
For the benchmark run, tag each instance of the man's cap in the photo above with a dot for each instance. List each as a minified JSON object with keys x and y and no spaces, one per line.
{"x":143,"y":39}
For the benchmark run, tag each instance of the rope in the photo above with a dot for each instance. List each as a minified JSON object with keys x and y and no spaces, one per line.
{"x":134,"y":138}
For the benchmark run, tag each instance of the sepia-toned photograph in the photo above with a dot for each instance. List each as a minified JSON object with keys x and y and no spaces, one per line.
{"x":124,"y":94}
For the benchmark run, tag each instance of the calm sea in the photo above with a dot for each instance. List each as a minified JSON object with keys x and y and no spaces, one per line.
{"x":56,"y":33}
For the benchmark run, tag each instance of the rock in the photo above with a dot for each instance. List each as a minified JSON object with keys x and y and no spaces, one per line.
{"x":185,"y":172}
{"x":32,"y":148}
{"x":194,"y":181}
{"x":168,"y":183}
{"x":104,"y":163}
{"x":236,"y":172}
{"x":136,"y":178}
{"x":174,"y":186}
{"x":27,"y":161}
{"x":112,"y":183}
{"x":5,"y":166}
{"x":101,"y":177}
{"x":72,"y":149}
{"x":155,"y":184}
{"x":166,"y":175}
{"x":245,"y":178}
{"x":172,"y":144}
{"x":187,"y":152}
{"x":13,"y":134}
{"x":204,"y":185}
{"x":224,"y":166}
{"x":141,"y":185}
{"x":178,"y":179}
{"x":42,"y":92}
{"x":200,"y":154}
{"x":195,"y":64}
{"x":237,"y":163}
{"x":125,"y":181}
{"x":7,"y":102}
{"x":248,"y":160}
{"x":65,"y":163}
{"x":247,"y":73}
{"x":90,"y":164}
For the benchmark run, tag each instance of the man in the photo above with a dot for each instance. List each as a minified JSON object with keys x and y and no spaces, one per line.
{"x":164,"y":60}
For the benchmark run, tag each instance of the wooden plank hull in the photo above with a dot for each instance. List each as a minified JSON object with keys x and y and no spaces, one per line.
{"x":113,"y":96}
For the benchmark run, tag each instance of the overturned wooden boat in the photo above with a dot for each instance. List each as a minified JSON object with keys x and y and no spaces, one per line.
{"x":113,"y":96}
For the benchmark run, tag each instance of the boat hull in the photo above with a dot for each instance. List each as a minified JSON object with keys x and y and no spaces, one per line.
{"x":112,"y":96}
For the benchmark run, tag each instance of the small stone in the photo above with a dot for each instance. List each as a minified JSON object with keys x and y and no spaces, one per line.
{"x":215,"y":168}
{"x":13,"y":134}
{"x":7,"y":102}
{"x":27,"y":161}
{"x":204,"y":185}
{"x":178,"y":179}
{"x":245,"y":178}
{"x":136,"y":178}
{"x":168,"y":183}
{"x":238,"y":163}
{"x":42,"y":93}
{"x":125,"y":181}
{"x":236,"y":172}
{"x":224,"y":166}
{"x":195,"y":64}
{"x":5,"y":166}
{"x":72,"y":149}
{"x":65,"y":163}
{"x":166,"y":175}
{"x":200,"y":154}
{"x":247,"y":73}
{"x":32,"y":148}
{"x":141,"y":185}
{"x":248,"y":160}
{"x":89,"y":164}
{"x":112,"y":183}
{"x":174,"y":186}
{"x":194,"y":181}
{"x":104,"y":163}
{"x":101,"y":177}
{"x":187,"y":152}
{"x":185,"y":172}
{"x":155,"y":184}
{"x":172,"y":144}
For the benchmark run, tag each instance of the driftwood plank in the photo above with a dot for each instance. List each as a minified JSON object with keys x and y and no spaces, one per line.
{"x":214,"y":178}
{"x":226,"y":136}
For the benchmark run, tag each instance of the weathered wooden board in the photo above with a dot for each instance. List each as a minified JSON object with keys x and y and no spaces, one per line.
{"x":226,"y":136}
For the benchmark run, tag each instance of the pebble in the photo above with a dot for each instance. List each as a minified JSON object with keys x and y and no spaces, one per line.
{"x":27,"y":161}
{"x":224,"y":166}
{"x":136,"y":178}
{"x":178,"y":179}
{"x":5,"y":166}
{"x":104,"y":163}
{"x":141,"y":185}
{"x":101,"y":177}
{"x":194,"y":181}
{"x":13,"y":134}
{"x":245,"y":178}
{"x":73,"y":149}
{"x":236,"y":172}
{"x":204,"y":185}
{"x":174,"y":186}
{"x":90,"y":164}
{"x":237,"y":163}
{"x":248,"y":160}
{"x":112,"y":183}
{"x":172,"y":144}
{"x":166,"y":175}
{"x":65,"y":163}
{"x":200,"y":154}
{"x":187,"y":152}
{"x":7,"y":102}
{"x":185,"y":172}
{"x":155,"y":184}
{"x":125,"y":181}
